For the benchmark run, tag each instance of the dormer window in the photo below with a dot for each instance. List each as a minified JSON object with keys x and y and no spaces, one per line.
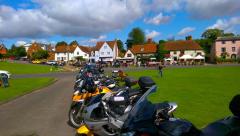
{"x":142,"y":49}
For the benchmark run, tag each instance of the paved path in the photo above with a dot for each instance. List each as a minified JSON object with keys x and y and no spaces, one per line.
{"x":41,"y":113}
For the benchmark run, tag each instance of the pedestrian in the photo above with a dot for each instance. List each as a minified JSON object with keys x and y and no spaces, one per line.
{"x":160,"y":68}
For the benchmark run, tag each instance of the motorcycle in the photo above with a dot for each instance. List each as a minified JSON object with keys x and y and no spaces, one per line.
{"x":109,"y":116}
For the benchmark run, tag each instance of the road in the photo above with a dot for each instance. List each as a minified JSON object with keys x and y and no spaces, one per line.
{"x":41,"y":113}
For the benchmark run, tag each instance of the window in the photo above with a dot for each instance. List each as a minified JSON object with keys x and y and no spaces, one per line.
{"x":223,"y":42}
{"x":77,"y":53}
{"x":58,"y":58}
{"x":233,"y":49}
{"x":174,"y":52}
{"x":102,"y":53}
{"x":129,"y":55}
{"x":108,"y":53}
{"x":85,"y":54}
{"x":223,"y":49}
{"x":233,"y":41}
{"x":105,"y":47}
{"x":142,"y":49}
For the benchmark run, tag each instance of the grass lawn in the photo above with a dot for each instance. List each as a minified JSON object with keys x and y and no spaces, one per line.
{"x":17,"y":68}
{"x":202,"y":94}
{"x":19,"y":87}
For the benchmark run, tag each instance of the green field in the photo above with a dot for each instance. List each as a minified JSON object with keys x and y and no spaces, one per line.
{"x":20,"y":87}
{"x":17,"y":68}
{"x":202,"y":94}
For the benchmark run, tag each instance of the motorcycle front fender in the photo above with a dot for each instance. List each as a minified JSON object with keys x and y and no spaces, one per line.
{"x":83,"y":130}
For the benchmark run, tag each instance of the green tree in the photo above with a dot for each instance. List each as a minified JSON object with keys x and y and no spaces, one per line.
{"x":136,"y":36}
{"x":80,"y":58}
{"x":206,"y":44}
{"x":228,"y":34}
{"x":160,"y":50}
{"x":120,"y":46}
{"x":74,"y":43}
{"x":41,"y":54}
{"x":17,"y":52}
{"x":1,"y":56}
{"x":212,"y":34}
{"x":61,"y":43}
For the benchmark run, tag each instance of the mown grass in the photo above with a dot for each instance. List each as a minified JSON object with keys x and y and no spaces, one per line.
{"x":202,"y":94}
{"x":23,"y":86}
{"x":17,"y":68}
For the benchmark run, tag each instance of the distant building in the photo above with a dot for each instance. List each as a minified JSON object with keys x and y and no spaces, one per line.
{"x":104,"y":51}
{"x":67,"y":52}
{"x":33,"y":48}
{"x":3,"y":49}
{"x":177,"y":49}
{"x":227,"y":47}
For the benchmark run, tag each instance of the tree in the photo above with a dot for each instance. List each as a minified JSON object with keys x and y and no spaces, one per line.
{"x":120,"y":46}
{"x":136,"y":36}
{"x":61,"y":43}
{"x":80,"y":58}
{"x":160,"y":50}
{"x":74,"y":43}
{"x":17,"y":52}
{"x":228,"y":34}
{"x":1,"y":56}
{"x":41,"y":54}
{"x":212,"y":34}
{"x":206,"y":44}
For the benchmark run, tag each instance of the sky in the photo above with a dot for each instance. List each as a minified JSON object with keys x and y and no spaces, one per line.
{"x":89,"y":21}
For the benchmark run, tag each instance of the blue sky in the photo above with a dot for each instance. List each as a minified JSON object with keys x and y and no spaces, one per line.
{"x":89,"y":21}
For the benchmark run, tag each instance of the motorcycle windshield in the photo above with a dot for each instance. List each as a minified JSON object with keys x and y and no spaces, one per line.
{"x":142,"y":113}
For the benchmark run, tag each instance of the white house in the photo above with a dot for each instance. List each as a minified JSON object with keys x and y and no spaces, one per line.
{"x":104,"y":51}
{"x":177,"y":49}
{"x":66,"y":53}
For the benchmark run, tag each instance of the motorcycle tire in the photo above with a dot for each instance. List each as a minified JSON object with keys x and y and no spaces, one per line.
{"x":74,"y":117}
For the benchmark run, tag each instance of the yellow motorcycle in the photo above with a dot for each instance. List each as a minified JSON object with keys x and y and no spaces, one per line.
{"x":79,"y":101}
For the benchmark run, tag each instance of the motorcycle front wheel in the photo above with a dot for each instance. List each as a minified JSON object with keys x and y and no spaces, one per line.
{"x":75,"y":119}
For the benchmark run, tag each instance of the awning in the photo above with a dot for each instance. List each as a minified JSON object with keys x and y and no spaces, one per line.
{"x":199,"y":57}
{"x":186,"y":57}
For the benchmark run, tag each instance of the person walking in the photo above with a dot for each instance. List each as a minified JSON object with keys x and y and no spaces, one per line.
{"x":160,"y":68}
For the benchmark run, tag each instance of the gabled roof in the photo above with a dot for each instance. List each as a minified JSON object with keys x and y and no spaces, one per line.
{"x":2,"y":47}
{"x":100,"y":44}
{"x":181,"y":45}
{"x":144,"y":49}
{"x":61,"y":49}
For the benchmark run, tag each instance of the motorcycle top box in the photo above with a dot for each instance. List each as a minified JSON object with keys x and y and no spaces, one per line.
{"x":145,"y":83}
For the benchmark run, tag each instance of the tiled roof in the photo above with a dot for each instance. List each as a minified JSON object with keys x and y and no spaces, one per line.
{"x":144,"y":49}
{"x":228,"y":38}
{"x":182,"y":45}
{"x":61,"y":48}
{"x":85,"y":49}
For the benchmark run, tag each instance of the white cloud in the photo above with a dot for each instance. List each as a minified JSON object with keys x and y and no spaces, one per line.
{"x":166,"y":5}
{"x":152,"y":34}
{"x":186,"y":30}
{"x":100,"y":38}
{"x":19,"y":43}
{"x":226,"y":25}
{"x":69,"y":18}
{"x":159,"y":19}
{"x":210,"y":8}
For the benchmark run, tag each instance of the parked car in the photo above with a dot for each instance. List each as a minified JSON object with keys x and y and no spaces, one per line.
{"x":36,"y":62}
{"x":51,"y":62}
{"x":5,"y":72}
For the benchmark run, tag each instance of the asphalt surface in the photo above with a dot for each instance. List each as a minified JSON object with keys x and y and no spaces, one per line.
{"x":41,"y":113}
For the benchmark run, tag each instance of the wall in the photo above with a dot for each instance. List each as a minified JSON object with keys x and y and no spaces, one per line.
{"x":228,"y":45}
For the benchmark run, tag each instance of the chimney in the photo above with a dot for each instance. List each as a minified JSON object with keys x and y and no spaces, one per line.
{"x":189,"y":37}
{"x":149,"y":40}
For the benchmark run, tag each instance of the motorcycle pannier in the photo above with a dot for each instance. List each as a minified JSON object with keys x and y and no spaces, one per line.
{"x":145,"y":83}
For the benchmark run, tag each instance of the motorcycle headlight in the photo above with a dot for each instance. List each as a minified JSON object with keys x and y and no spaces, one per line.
{"x":76,"y":92}
{"x":111,"y":85}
